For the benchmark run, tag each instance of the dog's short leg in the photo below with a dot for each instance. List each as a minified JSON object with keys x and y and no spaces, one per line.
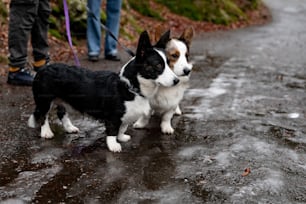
{"x":178,"y":110}
{"x":112,"y":144}
{"x":32,"y":122}
{"x":166,"y":122}
{"x":143,"y":120}
{"x":46,"y":131}
{"x":121,"y":136}
{"x":43,"y":106}
{"x":115,"y":127}
{"x":41,"y":111}
{"x":63,"y":116}
{"x":68,"y":126}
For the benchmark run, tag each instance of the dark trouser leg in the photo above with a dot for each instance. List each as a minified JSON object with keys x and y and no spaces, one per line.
{"x":22,"y":16}
{"x":39,"y":32}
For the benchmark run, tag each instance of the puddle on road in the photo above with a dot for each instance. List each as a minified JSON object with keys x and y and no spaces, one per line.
{"x":209,"y":100}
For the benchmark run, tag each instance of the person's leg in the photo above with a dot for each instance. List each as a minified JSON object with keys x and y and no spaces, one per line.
{"x":39,"y":34}
{"x":22,"y":16}
{"x":93,"y":28}
{"x":113,"y":8}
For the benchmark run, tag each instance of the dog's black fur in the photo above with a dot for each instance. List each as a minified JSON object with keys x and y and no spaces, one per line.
{"x":101,"y":94}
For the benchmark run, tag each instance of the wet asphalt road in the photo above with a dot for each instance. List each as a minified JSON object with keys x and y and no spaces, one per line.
{"x":245,"y":109}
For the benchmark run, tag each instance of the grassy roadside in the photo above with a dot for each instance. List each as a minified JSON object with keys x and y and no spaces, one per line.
{"x":215,"y":11}
{"x":218,"y":12}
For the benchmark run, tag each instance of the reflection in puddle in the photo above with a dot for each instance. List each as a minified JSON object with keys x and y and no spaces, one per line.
{"x":293,"y":115}
{"x":208,"y":101}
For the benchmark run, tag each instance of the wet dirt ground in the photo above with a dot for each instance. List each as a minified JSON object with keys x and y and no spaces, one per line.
{"x":241,"y":138}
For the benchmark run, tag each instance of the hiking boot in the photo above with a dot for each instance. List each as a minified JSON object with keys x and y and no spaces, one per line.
{"x":40,"y":64}
{"x":20,"y":77}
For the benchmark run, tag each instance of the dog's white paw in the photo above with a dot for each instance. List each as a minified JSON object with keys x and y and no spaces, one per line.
{"x":72,"y":129}
{"x":166,"y":128}
{"x":112,"y":144}
{"x":45,"y":130}
{"x":32,"y":122}
{"x":46,"y":133}
{"x":124,"y":138}
{"x":178,"y":111}
{"x":68,"y":126}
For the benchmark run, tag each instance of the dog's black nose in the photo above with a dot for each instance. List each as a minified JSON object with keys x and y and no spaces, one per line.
{"x":187,"y":71}
{"x":176,"y":81}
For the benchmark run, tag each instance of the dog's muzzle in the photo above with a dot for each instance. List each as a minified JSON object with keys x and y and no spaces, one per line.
{"x":186,"y":71}
{"x":176,"y":81}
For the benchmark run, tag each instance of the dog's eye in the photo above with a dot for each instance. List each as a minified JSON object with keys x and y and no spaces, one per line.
{"x":148,"y":67}
{"x":187,"y":56}
{"x":159,"y":66}
{"x":175,"y":55}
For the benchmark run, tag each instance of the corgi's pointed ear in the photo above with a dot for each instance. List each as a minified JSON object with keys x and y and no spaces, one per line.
{"x":164,"y":39}
{"x":187,"y":35}
{"x":158,"y":31}
{"x":143,"y":44}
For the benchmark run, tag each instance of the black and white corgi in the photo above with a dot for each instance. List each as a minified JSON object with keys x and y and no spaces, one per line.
{"x":166,"y":100}
{"x":116,"y":99}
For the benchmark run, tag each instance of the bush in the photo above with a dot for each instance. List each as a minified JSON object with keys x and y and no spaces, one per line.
{"x":144,"y":8}
{"x":77,"y":16}
{"x":3,"y":12}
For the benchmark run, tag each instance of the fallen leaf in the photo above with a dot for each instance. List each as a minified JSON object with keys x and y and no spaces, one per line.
{"x":246,"y":172}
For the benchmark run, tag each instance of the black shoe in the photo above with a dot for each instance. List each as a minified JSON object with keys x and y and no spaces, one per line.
{"x":93,"y":58}
{"x":22,"y":77}
{"x":112,"y":57}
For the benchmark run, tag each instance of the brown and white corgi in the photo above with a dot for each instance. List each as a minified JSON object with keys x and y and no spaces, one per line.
{"x":166,"y":101}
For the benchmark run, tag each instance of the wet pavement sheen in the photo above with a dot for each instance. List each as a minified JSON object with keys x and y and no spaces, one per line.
{"x":241,"y":138}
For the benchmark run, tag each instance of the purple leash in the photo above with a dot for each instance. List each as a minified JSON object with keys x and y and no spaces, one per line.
{"x":67,"y":22}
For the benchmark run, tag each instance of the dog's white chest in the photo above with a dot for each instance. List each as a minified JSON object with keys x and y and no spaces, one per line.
{"x":167,"y":98}
{"x":135,"y":109}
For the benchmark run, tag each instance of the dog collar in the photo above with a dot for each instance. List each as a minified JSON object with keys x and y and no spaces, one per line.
{"x":135,"y":91}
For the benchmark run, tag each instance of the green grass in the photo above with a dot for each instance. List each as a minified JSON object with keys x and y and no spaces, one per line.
{"x":3,"y":12}
{"x":143,"y":7}
{"x":215,"y":11}
{"x":3,"y":59}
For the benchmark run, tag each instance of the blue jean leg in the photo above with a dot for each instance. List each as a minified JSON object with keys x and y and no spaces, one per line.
{"x":93,"y":28}
{"x":113,"y":8}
